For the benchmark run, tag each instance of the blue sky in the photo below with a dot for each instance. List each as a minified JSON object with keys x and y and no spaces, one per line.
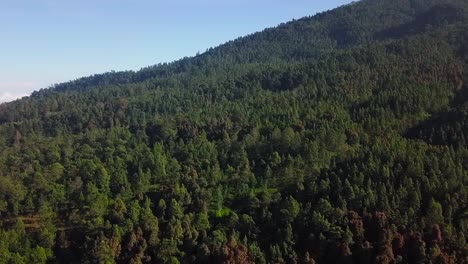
{"x":51,"y":41}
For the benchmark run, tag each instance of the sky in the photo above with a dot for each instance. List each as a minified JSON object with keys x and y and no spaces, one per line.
{"x":43,"y":42}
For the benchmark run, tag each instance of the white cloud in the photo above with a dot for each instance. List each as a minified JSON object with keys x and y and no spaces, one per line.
{"x":11,"y":89}
{"x":7,"y":96}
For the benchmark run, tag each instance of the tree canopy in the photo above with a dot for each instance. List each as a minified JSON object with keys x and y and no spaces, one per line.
{"x":337,"y":138}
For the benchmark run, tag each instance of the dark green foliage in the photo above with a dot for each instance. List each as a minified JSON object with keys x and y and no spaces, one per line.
{"x":338,"y":138}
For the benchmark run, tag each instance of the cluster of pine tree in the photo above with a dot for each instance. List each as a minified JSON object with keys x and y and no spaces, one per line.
{"x":338,"y":138}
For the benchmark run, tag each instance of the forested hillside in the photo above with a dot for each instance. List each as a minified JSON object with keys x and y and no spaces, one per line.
{"x":337,"y":138}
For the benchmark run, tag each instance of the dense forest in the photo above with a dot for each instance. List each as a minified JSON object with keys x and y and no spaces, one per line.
{"x":336,"y":138}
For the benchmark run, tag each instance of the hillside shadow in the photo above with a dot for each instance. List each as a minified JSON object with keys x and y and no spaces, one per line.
{"x":436,"y":16}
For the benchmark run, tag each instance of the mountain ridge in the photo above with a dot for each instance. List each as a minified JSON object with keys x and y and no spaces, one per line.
{"x":217,"y":50}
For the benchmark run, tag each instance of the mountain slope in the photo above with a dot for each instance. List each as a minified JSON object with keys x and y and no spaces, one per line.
{"x":315,"y":141}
